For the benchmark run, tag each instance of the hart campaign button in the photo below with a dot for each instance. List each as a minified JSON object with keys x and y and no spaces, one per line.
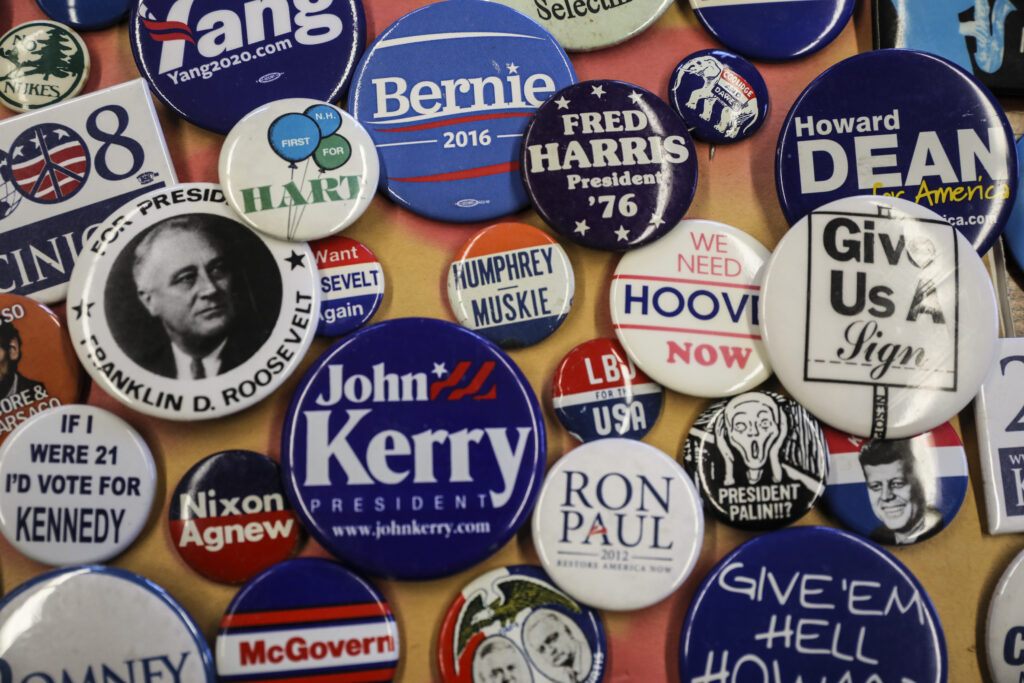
{"x":721,"y":96}
{"x":512,"y":284}
{"x":41,"y":63}
{"x":351,"y":284}
{"x":1004,"y":628}
{"x":591,"y":24}
{"x":598,"y":392}
{"x":446,"y":92}
{"x":878,"y":317}
{"x":413,"y":449}
{"x":85,"y":16}
{"x":609,"y":165}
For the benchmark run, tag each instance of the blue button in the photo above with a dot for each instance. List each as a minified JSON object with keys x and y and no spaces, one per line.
{"x":721,"y":96}
{"x":1015,"y":223}
{"x":88,"y":15}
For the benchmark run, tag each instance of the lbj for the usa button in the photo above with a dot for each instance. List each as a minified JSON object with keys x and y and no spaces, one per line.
{"x":351,"y":284}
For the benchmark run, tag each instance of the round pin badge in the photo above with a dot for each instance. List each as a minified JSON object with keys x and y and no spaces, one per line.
{"x":618,"y":512}
{"x":214,"y":61}
{"x":179,"y":311}
{"x":591,"y":25}
{"x":598,"y":392}
{"x":229,"y":518}
{"x":298,"y":169}
{"x":86,"y":16}
{"x":896,"y":491}
{"x":512,"y":284}
{"x":413,"y":449}
{"x":686,"y":309}
{"x":721,"y":96}
{"x":44,"y":62}
{"x":110,"y":623}
{"x":859,"y":129}
{"x":878,"y":317}
{"x":812,"y":603}
{"x":1004,"y":627}
{"x":758,"y":459}
{"x":609,"y":165}
{"x":1014,"y":230}
{"x":514,"y":624}
{"x":307,"y":619}
{"x":446,"y":93}
{"x":351,"y":284}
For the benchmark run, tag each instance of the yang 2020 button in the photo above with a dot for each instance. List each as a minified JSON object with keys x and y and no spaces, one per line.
{"x":351,"y":284}
{"x":413,"y":449}
{"x":721,"y":96}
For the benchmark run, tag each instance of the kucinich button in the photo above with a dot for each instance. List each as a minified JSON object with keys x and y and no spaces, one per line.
{"x":213,"y":61}
{"x":593,"y":24}
{"x":85,"y":16}
{"x":858,"y":128}
{"x":878,"y":317}
{"x":812,"y":603}
{"x":43,"y":62}
{"x":179,"y":311}
{"x":351,"y":284}
{"x":896,"y":491}
{"x":685,"y":309}
{"x":618,"y":512}
{"x":446,"y":92}
{"x":78,"y":486}
{"x":609,"y":165}
{"x":298,"y":169}
{"x":721,"y":96}
{"x":515,"y":622}
{"x":229,"y":518}
{"x":598,"y":391}
{"x":307,"y":619}
{"x":1004,"y":628}
{"x":90,"y":623}
{"x":511,"y":283}
{"x":758,"y":459}
{"x":413,"y":449}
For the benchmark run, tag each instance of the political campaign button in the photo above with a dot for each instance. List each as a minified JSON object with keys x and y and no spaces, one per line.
{"x":591,"y":25}
{"x":78,"y":484}
{"x":618,"y":512}
{"x":758,"y":459}
{"x":351,"y":284}
{"x":298,"y":169}
{"x":446,"y":92}
{"x":896,"y":491}
{"x":1014,"y":230}
{"x":181,"y":312}
{"x":41,"y":63}
{"x":1004,"y":628}
{"x":95,"y":623}
{"x":686,"y":309}
{"x":878,"y":316}
{"x":513,"y":624}
{"x":721,"y":96}
{"x":861,"y":128}
{"x":609,"y":165}
{"x":413,"y":449}
{"x":213,"y":61}
{"x":229,"y":518}
{"x":773,"y":29}
{"x":307,"y":619}
{"x":599,"y":392}
{"x":85,"y":16}
{"x":812,"y":603}
{"x":511,"y":283}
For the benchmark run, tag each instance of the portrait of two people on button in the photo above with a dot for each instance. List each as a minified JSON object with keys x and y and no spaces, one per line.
{"x":556,"y":650}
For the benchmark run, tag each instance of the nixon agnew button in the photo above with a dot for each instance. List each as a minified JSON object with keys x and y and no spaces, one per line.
{"x":1004,"y":628}
{"x":351,"y":284}
{"x":618,"y":512}
{"x":812,"y":603}
{"x":878,"y":317}
{"x":447,"y":152}
{"x":179,"y":311}
{"x":863,"y":127}
{"x":512,"y":284}
{"x":593,"y":24}
{"x":721,"y":96}
{"x":85,"y":16}
{"x":307,"y":619}
{"x":90,"y":623}
{"x":413,"y":449}
{"x":513,"y":624}
{"x":41,"y":63}
{"x":609,"y":165}
{"x":298,"y":169}
{"x":211,"y":62}
{"x":597,"y":391}
{"x":229,"y":518}
{"x":758,"y":459}
{"x":686,"y":309}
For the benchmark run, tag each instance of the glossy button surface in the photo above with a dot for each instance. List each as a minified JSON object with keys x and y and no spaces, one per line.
{"x":721,"y":96}
{"x":1004,"y":627}
{"x":43,"y":62}
{"x":85,"y":16}
{"x":352,"y":284}
{"x":1014,"y":231}
{"x":593,"y":24}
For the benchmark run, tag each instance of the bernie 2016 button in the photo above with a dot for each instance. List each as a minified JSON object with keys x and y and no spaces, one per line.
{"x":513,"y":624}
{"x":721,"y":96}
{"x":1004,"y":628}
{"x":859,"y":128}
{"x":351,"y":284}
{"x":85,"y":16}
{"x":446,"y":92}
{"x":598,"y":392}
{"x":591,"y":24}
{"x":609,"y":165}
{"x":758,"y":459}
{"x":512,"y":284}
{"x":878,"y":316}
{"x":413,"y":448}
{"x":47,"y":63}
{"x":896,"y":491}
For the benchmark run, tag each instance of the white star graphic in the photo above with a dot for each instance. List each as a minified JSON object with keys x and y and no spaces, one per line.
{"x":636,"y":97}
{"x":597,"y":90}
{"x":440,"y":370}
{"x":622,"y":234}
{"x":581,"y":227}
{"x":61,"y":133}
{"x":657,"y":220}
{"x":562,"y":102}
{"x":16,"y":152}
{"x":35,"y":142}
{"x":512,"y":68}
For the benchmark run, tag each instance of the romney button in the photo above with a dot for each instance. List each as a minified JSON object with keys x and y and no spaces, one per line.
{"x":351,"y":284}
{"x":85,"y":16}
{"x":721,"y":96}
{"x":48,"y":63}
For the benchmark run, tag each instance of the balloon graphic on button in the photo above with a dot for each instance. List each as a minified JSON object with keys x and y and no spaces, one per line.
{"x":294,"y":137}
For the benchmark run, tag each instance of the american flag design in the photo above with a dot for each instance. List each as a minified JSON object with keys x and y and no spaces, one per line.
{"x":49,"y":163}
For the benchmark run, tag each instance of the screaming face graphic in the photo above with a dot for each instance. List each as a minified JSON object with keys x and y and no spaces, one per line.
{"x":753,"y":426}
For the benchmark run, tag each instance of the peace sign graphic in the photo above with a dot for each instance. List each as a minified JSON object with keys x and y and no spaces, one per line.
{"x":49,"y":163}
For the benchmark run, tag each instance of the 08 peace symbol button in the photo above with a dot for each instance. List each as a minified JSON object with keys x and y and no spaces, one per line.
{"x":351,"y":284}
{"x":41,"y":62}
{"x":721,"y":96}
{"x":1004,"y":627}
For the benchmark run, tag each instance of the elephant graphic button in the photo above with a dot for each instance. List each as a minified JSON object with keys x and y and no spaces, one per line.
{"x":721,"y":96}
